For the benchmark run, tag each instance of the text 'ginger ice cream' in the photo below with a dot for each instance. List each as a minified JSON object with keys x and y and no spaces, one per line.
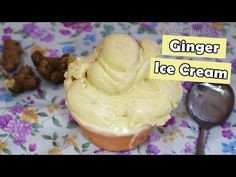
{"x":110,"y":90}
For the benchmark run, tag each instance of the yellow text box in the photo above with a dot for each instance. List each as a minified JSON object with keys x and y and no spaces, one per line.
{"x":194,"y":46}
{"x":187,"y":70}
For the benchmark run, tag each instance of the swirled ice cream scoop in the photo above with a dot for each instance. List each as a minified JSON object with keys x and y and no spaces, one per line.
{"x":110,"y":90}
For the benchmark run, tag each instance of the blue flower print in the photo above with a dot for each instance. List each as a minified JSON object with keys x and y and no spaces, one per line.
{"x":68,"y":49}
{"x":229,"y":148}
{"x":7,"y":97}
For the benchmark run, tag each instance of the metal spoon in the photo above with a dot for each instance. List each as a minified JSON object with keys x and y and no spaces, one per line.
{"x":209,"y":105}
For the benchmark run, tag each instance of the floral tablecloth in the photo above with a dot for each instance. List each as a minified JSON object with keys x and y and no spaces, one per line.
{"x":38,"y":122}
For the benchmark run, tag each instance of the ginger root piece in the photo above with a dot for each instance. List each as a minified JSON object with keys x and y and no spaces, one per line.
{"x":11,"y":57}
{"x":24,"y":79}
{"x":51,"y":69}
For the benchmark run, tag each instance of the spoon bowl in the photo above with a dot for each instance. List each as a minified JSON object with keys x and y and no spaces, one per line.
{"x":209,"y":105}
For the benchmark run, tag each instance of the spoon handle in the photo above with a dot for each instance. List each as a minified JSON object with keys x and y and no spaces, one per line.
{"x":201,"y":141}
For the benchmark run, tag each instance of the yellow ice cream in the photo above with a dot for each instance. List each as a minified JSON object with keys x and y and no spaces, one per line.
{"x":110,"y":91}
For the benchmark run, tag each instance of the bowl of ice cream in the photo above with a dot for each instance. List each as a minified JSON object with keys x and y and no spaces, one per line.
{"x":111,"y":96}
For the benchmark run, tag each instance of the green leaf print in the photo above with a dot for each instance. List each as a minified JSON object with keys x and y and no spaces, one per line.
{"x":54,"y":99}
{"x":47,"y":137}
{"x":97,"y":25}
{"x":29,"y":46}
{"x":84,"y":53}
{"x":3,"y":135}
{"x":151,"y":31}
{"x":71,"y":126}
{"x":84,"y":150}
{"x":42,"y":114}
{"x":74,"y":35}
{"x":65,"y":136}
{"x":17,"y":117}
{"x":234,"y":125}
{"x":36,"y":125}
{"x":230,"y":50}
{"x":25,"y":36}
{"x":55,"y":144}
{"x":55,"y":136}
{"x":56,"y":122}
{"x":140,"y":30}
{"x":53,"y":23}
{"x":7,"y":151}
{"x":138,"y":149}
{"x":108,"y":28}
{"x":66,"y":43}
{"x":85,"y":145}
{"x":77,"y":149}
{"x":36,"y":130}
{"x":20,"y":31}
{"x":23,"y":147}
{"x":160,"y":130}
{"x":52,"y":29}
{"x":190,"y":137}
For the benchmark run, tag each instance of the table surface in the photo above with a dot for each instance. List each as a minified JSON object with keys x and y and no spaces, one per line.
{"x":39,"y":122}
